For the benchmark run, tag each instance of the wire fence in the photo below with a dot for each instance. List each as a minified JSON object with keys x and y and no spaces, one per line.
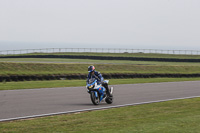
{"x":98,"y":50}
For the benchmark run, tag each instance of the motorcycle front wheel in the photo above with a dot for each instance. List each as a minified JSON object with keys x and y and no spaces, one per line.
{"x":94,"y":99}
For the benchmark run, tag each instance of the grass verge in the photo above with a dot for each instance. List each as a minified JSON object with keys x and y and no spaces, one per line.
{"x":90,"y":61}
{"x":178,"y":116}
{"x":44,"y":68}
{"x":74,"y":83}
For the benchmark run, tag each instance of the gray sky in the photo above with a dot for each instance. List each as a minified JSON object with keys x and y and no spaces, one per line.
{"x":144,"y":24}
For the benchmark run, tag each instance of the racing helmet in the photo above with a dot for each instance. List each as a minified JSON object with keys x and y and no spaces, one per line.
{"x":91,"y":69}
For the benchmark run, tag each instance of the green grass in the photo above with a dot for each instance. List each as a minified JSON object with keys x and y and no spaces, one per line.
{"x":89,"y":61}
{"x":50,"y":68}
{"x":178,"y":116}
{"x":69,"y":66}
{"x":146,"y":55}
{"x":74,"y":83}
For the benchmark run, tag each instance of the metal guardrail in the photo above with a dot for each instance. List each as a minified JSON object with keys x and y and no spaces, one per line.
{"x":99,"y":50}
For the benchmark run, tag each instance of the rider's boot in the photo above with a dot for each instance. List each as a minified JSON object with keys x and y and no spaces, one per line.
{"x":108,"y":93}
{"x":107,"y":90}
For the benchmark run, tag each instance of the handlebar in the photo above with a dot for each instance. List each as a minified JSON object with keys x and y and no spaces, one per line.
{"x":92,"y":83}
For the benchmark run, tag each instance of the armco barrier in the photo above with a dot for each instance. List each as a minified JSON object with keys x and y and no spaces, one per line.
{"x":10,"y":78}
{"x":105,"y":58}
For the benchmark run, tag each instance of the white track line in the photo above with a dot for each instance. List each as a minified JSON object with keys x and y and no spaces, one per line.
{"x":75,"y":111}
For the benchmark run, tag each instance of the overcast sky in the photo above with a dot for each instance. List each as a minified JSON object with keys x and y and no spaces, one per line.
{"x":144,"y":24}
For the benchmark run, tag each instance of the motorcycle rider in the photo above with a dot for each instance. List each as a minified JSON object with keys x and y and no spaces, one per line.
{"x":97,"y":75}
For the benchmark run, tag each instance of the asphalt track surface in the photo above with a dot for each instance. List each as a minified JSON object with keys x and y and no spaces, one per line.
{"x":47,"y":101}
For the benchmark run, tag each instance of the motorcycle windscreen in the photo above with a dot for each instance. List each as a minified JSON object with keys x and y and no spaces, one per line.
{"x":91,"y":80}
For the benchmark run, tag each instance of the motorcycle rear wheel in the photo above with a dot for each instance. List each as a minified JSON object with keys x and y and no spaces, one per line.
{"x":109,"y":100}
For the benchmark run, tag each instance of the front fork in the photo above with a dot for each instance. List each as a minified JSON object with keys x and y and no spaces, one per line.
{"x":99,"y":95}
{"x":96,"y":94}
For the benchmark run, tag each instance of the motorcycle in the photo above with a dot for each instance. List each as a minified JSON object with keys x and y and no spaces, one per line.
{"x":98,"y":92}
